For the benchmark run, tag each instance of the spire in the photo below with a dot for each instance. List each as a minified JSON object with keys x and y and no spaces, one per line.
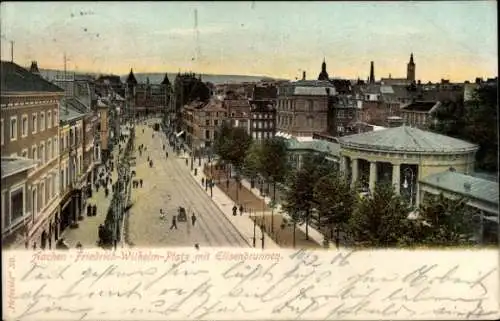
{"x":34,"y":68}
{"x":131,"y":78}
{"x":323,"y":75}
{"x":411,"y":59}
{"x":372,"y":73}
{"x":165,"y":81}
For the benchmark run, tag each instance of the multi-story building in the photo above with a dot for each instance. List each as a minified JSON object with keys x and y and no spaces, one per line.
{"x":30,"y":129}
{"x":302,"y":107}
{"x":144,"y":99}
{"x":341,"y":114}
{"x":238,"y":109}
{"x":419,"y":113}
{"x":263,"y":111}
{"x":201,"y":122}
{"x":71,"y":163}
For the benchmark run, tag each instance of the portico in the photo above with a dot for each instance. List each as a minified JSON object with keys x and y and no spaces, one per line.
{"x":402,"y":156}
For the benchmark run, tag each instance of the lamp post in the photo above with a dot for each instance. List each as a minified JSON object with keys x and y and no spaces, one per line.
{"x":409,"y":171}
{"x":254,"y":226}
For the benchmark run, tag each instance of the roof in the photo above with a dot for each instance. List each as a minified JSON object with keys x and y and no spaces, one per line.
{"x":481,"y":189}
{"x":15,"y":78}
{"x":313,"y":91}
{"x":165,"y":80}
{"x":316,"y":145}
{"x":407,"y":139}
{"x":131,"y":78}
{"x":386,"y":89}
{"x":14,"y":165}
{"x":422,"y":106}
{"x":68,"y":110}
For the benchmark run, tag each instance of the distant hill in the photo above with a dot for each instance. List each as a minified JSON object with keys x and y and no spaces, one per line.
{"x":156,"y":78}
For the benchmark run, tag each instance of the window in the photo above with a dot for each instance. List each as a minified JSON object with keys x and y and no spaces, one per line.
{"x":34,"y":201}
{"x":49,"y":119}
{"x":24,"y":126}
{"x":54,"y":116}
{"x":25,"y":153}
{"x":340,"y":114}
{"x":16,"y":203}
{"x":1,"y":129}
{"x":216,"y":122}
{"x":49,"y":149}
{"x":55,"y":147}
{"x":207,"y":134}
{"x":13,"y":128}
{"x":41,"y":153}
{"x":42,"y":121}
{"x":43,"y":195}
{"x":34,"y":121}
{"x":34,"y":153}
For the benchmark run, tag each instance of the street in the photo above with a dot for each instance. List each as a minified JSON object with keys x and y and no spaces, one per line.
{"x":167,"y":186}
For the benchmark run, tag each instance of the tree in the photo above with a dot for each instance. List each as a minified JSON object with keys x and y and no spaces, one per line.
{"x":231,"y":145}
{"x":446,"y":221}
{"x":273,"y":164}
{"x":251,"y":164}
{"x":379,"y":220}
{"x":334,"y":201}
{"x":482,"y":126}
{"x":299,"y":196}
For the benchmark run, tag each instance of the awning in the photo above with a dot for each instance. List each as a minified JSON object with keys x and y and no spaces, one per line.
{"x":179,"y":134}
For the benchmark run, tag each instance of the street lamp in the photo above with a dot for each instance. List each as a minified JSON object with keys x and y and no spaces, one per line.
{"x":409,"y":171}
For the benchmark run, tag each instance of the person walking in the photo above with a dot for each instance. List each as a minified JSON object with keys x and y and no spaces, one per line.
{"x":241,"y":210}
{"x":174,"y":222}
{"x":193,"y":219}
{"x":140,"y":182}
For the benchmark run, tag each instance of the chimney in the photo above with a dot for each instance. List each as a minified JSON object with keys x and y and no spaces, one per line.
{"x":303,"y":75}
{"x":372,"y":73}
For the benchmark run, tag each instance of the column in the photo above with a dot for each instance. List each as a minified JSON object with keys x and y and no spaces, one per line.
{"x":343,"y":166}
{"x":373,"y":176}
{"x":355,"y":169}
{"x":396,"y":177}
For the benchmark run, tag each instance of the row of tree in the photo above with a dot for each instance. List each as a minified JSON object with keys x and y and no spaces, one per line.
{"x":316,"y":192}
{"x":383,"y":219}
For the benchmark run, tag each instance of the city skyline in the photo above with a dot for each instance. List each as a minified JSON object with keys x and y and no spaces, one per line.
{"x":258,"y":38}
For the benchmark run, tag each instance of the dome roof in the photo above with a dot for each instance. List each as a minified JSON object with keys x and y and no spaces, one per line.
{"x":407,"y":139}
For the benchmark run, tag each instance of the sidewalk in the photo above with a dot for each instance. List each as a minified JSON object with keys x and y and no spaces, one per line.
{"x":87,"y":231}
{"x":313,"y":233}
{"x":243,"y":223}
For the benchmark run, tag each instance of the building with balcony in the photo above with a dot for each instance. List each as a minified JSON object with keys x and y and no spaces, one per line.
{"x":29,"y":129}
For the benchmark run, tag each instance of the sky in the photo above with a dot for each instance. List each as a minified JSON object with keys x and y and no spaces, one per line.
{"x":454,"y":40}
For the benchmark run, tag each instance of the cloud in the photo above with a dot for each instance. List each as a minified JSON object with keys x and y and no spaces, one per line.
{"x":182,"y":32}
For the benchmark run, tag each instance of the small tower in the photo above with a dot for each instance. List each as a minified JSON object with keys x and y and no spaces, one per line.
{"x":34,"y":68}
{"x":323,"y":75}
{"x":372,"y":74}
{"x":410,"y":70}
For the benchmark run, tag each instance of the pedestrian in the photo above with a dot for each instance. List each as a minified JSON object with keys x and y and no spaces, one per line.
{"x":106,"y":192}
{"x":140,"y":182}
{"x":235,"y":209}
{"x":151,"y":163}
{"x":174,"y":222}
{"x":162,"y":216}
{"x":193,"y":219}
{"x":202,"y":181}
{"x":79,"y":245}
{"x":148,"y":158}
{"x":94,"y":210}
{"x":166,"y":155}
{"x":163,"y":146}
{"x":241,"y":210}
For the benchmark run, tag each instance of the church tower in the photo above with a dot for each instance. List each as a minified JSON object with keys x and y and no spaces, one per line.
{"x":323,"y":75}
{"x":410,"y":69}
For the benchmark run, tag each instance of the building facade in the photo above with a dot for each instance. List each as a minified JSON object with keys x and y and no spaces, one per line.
{"x":30,"y":130}
{"x":302,"y":107}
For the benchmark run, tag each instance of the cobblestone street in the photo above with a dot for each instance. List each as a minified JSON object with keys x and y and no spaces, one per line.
{"x":167,"y":186}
